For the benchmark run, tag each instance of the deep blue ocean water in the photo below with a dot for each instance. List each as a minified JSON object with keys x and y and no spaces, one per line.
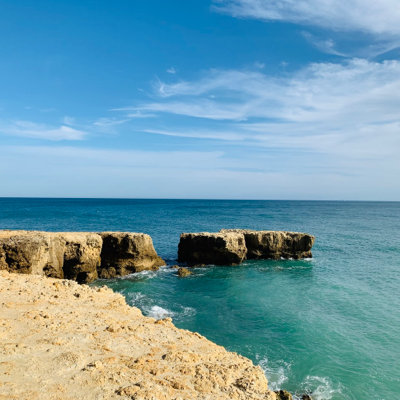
{"x":330,"y":325}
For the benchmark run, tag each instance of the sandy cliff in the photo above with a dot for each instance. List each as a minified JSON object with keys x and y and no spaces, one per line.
{"x":64,"y":341}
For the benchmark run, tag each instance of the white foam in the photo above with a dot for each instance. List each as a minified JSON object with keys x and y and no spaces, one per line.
{"x":140,"y":275}
{"x":320,"y":388}
{"x":158,"y":312}
{"x":133,"y":297}
{"x":276,"y":375}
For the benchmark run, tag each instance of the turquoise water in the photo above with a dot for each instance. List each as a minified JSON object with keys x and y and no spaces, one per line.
{"x":330,"y":325}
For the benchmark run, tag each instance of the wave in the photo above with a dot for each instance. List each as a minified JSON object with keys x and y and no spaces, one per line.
{"x":320,"y":388}
{"x":158,"y":312}
{"x":276,"y":374}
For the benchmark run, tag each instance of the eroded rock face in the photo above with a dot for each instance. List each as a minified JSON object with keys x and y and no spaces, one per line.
{"x":78,"y":256}
{"x":68,"y":255}
{"x":81,"y":256}
{"x":224,"y":248}
{"x":24,"y":252}
{"x":276,"y":244}
{"x":124,"y":253}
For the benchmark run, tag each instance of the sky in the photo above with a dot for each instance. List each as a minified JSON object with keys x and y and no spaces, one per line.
{"x":200,"y":99}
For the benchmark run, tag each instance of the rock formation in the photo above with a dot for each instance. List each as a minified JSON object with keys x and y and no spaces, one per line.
{"x":276,"y":244}
{"x":63,"y":341}
{"x":232,"y":246}
{"x":77,"y":256}
{"x":224,"y":248}
{"x":124,"y":253}
{"x":182,"y":272}
{"x":283,"y":395}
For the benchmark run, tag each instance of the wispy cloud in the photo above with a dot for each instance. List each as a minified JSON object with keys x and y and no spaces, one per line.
{"x":325,"y":45}
{"x":171,"y":70}
{"x":345,"y":110}
{"x":378,"y":20}
{"x":41,"y":131}
{"x":369,"y":16}
{"x":107,"y":122}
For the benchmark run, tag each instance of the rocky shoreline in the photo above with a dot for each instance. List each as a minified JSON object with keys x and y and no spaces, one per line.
{"x":62,"y":340}
{"x":87,"y":256}
{"x":65,"y":341}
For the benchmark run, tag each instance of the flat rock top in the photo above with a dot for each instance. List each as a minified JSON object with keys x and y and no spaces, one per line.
{"x":265,"y":231}
{"x":222,"y":233}
{"x":64,"y":341}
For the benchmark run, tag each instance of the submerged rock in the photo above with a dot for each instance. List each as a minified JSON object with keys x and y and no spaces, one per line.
{"x":124,"y":253}
{"x":182,"y":272}
{"x":276,"y":244}
{"x":224,"y":248}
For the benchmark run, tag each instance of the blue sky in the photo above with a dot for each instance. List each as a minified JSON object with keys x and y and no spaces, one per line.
{"x":234,"y":99}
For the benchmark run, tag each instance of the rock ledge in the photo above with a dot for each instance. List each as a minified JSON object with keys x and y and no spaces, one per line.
{"x":64,"y":341}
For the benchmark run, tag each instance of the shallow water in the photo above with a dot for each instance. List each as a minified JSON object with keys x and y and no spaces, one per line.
{"x":330,"y":325}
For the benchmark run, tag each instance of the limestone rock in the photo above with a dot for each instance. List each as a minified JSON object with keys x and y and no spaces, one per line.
{"x":124,"y":253}
{"x":81,"y":256}
{"x":276,"y":244}
{"x":26,"y":252}
{"x":54,"y":254}
{"x":182,"y":272}
{"x":64,"y":341}
{"x":224,"y":248}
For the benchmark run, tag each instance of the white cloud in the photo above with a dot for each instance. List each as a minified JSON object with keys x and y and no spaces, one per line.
{"x":320,"y":92}
{"x":171,"y":70}
{"x":369,"y":16}
{"x":41,"y":131}
{"x":107,"y":122}
{"x":346,"y":113}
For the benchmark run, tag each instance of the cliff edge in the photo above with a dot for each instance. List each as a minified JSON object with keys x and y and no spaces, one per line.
{"x":63,"y":341}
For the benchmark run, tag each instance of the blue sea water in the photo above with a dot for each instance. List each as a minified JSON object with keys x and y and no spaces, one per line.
{"x":329,"y":325}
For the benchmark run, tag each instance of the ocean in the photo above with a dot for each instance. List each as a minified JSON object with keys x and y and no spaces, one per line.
{"x":329,"y":325}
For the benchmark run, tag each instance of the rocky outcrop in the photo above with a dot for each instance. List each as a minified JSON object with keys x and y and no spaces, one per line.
{"x":80,"y":256}
{"x":224,"y":248}
{"x":124,"y":253}
{"x":276,"y":244}
{"x":59,"y":255}
{"x":283,"y":395}
{"x":182,"y":272}
{"x":232,"y":246}
{"x":63,"y":341}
